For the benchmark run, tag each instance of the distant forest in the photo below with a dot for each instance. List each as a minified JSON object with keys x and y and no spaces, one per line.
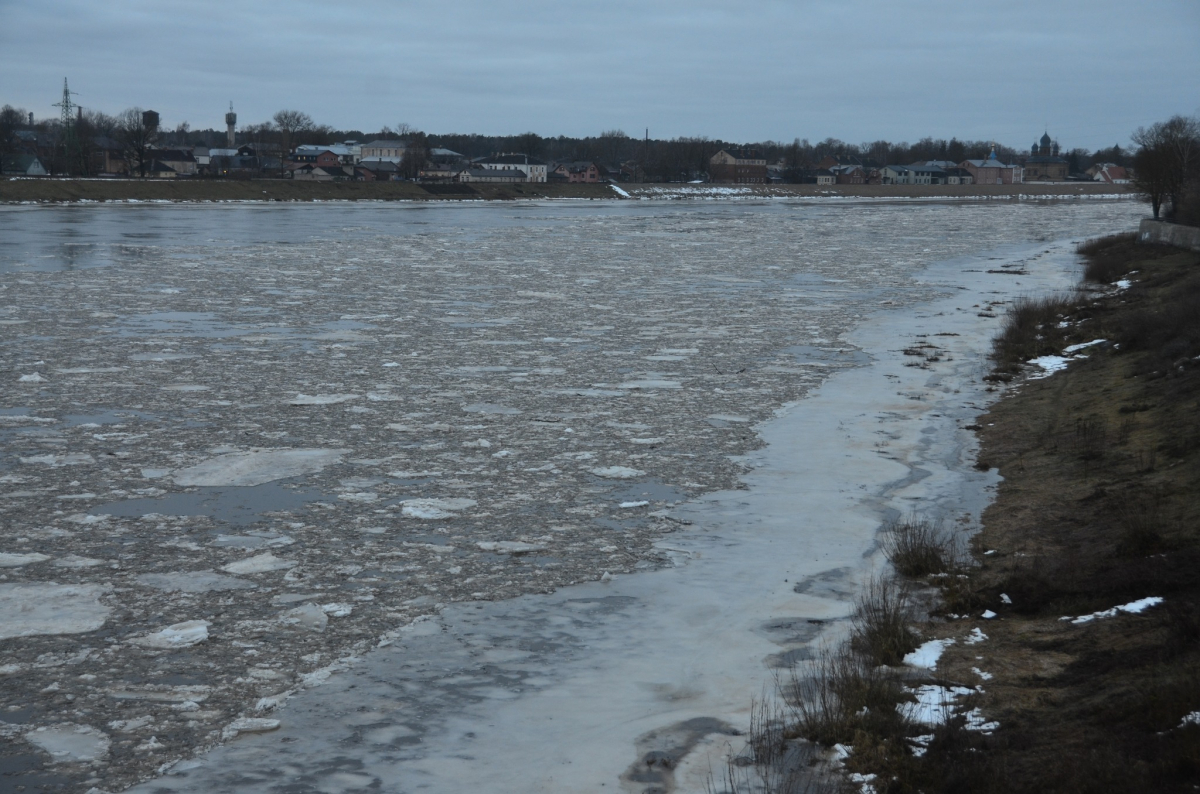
{"x":654,"y":159}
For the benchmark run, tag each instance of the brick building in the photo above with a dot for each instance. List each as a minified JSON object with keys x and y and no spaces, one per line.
{"x":738,"y":166}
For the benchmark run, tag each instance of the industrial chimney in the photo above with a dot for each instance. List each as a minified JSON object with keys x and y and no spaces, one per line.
{"x":230,"y":123}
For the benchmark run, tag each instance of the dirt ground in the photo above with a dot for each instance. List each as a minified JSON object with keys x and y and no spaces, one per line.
{"x":71,"y":190}
{"x":1099,"y":508}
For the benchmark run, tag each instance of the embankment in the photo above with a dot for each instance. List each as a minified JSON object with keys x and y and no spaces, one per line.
{"x":1070,"y":643}
{"x":52,"y":190}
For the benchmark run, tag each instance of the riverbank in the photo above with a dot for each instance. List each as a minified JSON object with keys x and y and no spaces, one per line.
{"x":53,"y":190}
{"x":1063,"y":655}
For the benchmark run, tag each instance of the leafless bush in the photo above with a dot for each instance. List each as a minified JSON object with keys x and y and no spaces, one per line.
{"x":1031,"y":329}
{"x":882,"y":614}
{"x":916,"y":546}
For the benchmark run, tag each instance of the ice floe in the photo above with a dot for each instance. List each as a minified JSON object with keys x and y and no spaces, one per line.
{"x":31,"y":609}
{"x":617,"y":472}
{"x":262,"y":563}
{"x":193,"y":581}
{"x":18,"y":560}
{"x":177,"y":635}
{"x":257,"y":466}
{"x":70,"y":743}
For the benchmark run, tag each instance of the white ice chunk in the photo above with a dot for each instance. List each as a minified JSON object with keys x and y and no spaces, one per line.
{"x":177,"y":635}
{"x":362,"y":497}
{"x":618,"y":472}
{"x":75,"y":561}
{"x":18,"y":560}
{"x":48,"y":608}
{"x":321,"y":399}
{"x":988,"y":614}
{"x":509,"y":547}
{"x":257,"y":466}
{"x":627,"y":505}
{"x":68,"y":743}
{"x":35,"y":377}
{"x":434,"y":509}
{"x":309,"y":616}
{"x":337,"y":610}
{"x":261,"y":563}
{"x":249,"y":725}
{"x":193,"y":581}
{"x":928,"y":654}
{"x":69,"y":459}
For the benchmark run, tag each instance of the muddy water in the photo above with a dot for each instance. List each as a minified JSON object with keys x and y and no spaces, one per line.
{"x":426,"y":427}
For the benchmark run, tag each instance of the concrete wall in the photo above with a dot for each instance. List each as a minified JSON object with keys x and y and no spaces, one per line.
{"x":1152,"y":231}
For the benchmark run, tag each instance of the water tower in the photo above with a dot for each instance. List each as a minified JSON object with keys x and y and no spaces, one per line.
{"x":230,"y":123}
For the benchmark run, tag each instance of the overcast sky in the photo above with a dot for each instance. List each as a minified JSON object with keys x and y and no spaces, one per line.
{"x":1089,"y":70}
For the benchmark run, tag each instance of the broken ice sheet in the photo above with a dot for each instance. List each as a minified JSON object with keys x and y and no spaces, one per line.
{"x":257,"y":466}
{"x":46,"y":608}
{"x":177,"y":635}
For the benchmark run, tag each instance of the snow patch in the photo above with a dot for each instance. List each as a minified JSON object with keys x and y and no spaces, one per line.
{"x":928,"y":654}
{"x":1132,"y":608}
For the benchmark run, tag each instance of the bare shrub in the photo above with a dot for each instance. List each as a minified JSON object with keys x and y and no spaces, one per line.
{"x":880,"y":626}
{"x":842,"y":694}
{"x":1030,"y":330}
{"x":916,"y":546}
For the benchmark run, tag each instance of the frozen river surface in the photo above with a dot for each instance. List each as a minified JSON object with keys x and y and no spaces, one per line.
{"x":243,"y":446}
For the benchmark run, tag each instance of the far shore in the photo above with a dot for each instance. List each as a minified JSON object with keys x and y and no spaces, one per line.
{"x":59,"y":191}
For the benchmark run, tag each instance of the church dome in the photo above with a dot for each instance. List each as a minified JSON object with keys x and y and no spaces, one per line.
{"x":1045,"y":139}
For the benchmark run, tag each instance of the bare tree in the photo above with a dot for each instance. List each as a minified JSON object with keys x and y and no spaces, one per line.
{"x":416,"y":153}
{"x":290,"y":123}
{"x":137,"y":136}
{"x":1167,"y":163}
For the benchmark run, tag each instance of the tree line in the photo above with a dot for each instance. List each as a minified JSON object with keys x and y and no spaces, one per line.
{"x":1162,"y":154}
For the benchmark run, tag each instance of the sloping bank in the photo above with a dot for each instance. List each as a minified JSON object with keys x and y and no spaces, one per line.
{"x":644,"y":682}
{"x":1064,"y":651}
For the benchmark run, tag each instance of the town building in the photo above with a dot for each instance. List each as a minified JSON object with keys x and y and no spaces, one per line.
{"x":1110,"y":173}
{"x":384,"y":149}
{"x":577,"y":171}
{"x":915,"y":174}
{"x":533,"y":168}
{"x":22,"y":165}
{"x":738,"y":166}
{"x":1044,"y":163}
{"x":478,"y":174}
{"x":993,"y":172}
